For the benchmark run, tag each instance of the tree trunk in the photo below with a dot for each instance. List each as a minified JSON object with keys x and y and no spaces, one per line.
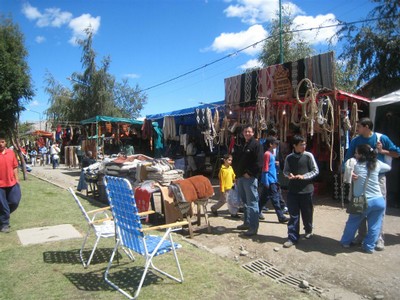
{"x":17,"y":148}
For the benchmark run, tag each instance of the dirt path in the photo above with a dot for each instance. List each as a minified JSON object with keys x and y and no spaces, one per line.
{"x":340,"y":273}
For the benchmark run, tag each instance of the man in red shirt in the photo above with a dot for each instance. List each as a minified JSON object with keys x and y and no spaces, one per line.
{"x":10,"y":192}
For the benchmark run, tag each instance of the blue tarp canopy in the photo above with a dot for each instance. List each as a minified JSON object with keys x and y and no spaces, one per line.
{"x":185,"y":111}
{"x":97,"y":119}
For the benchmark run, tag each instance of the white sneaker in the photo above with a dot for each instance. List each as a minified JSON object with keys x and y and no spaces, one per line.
{"x":288,"y":244}
{"x":380,"y":245}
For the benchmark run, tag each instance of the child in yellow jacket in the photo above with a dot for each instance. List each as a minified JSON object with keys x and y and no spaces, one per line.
{"x":226,"y":181}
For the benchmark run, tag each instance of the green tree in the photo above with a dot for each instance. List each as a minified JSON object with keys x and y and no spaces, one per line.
{"x":345,"y":78}
{"x":92,"y":89}
{"x":374,"y":48}
{"x":61,"y":103}
{"x":130,"y":101}
{"x":293,"y":49}
{"x":94,"y":92}
{"x":15,"y":82}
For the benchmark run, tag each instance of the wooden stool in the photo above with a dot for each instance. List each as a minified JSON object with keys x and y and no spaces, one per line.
{"x":92,"y":189}
{"x":201,"y":211}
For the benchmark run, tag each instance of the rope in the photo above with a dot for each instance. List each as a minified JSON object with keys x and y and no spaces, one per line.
{"x":209,"y":133}
{"x":294,"y":115}
{"x":326,"y":127}
{"x":309,"y":104}
{"x":223,"y":133}
{"x":354,"y":119}
{"x":260,"y":115}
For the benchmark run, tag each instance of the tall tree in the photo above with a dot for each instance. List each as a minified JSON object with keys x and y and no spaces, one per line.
{"x":95,"y":91}
{"x":345,"y":78}
{"x":374,"y":47}
{"x":15,"y":81}
{"x":293,"y":48}
{"x":130,"y":101}
{"x":61,"y":103}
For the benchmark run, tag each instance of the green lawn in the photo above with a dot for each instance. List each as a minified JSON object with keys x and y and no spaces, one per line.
{"x":53,"y":270}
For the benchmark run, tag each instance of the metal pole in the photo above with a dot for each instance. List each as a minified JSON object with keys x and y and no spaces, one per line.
{"x":280,"y":33}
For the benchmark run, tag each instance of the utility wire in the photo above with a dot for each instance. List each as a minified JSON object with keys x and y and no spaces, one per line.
{"x":255,"y":44}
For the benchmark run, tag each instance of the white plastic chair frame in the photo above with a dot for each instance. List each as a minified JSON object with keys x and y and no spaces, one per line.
{"x":102,"y":228}
{"x":131,"y":235}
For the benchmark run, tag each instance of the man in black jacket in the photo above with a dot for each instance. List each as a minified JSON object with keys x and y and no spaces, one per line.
{"x":248,"y":172}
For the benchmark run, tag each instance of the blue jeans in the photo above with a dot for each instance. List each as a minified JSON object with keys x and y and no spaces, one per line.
{"x":299,"y":204}
{"x":54,"y":162}
{"x":374,"y":215}
{"x":248,"y":192}
{"x":272,"y":193}
{"x":9,"y":201}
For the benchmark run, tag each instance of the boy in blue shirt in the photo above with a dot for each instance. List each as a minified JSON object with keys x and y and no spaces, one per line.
{"x":269,"y":180}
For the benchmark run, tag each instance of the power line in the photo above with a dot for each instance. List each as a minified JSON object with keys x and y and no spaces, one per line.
{"x":255,"y":44}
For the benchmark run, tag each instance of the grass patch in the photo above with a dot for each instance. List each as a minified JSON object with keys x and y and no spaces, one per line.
{"x":53,"y":270}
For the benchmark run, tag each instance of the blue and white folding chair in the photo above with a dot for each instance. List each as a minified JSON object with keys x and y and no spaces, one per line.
{"x":132,"y":235}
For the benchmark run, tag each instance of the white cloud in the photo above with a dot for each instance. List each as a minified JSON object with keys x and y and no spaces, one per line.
{"x":40,"y":39}
{"x":32,"y":13}
{"x":80,"y":24}
{"x":34,"y":103}
{"x":55,"y":17}
{"x":258,"y":11}
{"x":240,"y":40}
{"x":131,"y":76}
{"x":52,"y":17}
{"x":252,"y":63}
{"x":317,"y":36}
{"x":264,"y":11}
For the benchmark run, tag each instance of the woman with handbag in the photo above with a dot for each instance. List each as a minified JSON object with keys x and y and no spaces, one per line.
{"x":366,"y":185}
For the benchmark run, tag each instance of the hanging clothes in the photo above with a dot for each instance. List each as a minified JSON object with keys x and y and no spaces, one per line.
{"x":169,"y":128}
{"x":147,"y":129}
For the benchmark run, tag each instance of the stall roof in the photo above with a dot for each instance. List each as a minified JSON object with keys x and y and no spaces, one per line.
{"x":111,"y":119}
{"x":342,"y":95}
{"x":185,"y":111}
{"x":391,"y":98}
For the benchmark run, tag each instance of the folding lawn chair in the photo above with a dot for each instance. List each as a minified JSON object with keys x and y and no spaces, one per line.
{"x":102,"y":228}
{"x":133,"y":236}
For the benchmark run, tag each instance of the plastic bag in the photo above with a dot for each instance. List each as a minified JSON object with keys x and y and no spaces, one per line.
{"x":233,"y":201}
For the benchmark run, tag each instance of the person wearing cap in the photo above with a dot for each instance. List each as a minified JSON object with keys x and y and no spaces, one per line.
{"x":300,"y":168}
{"x":269,"y":180}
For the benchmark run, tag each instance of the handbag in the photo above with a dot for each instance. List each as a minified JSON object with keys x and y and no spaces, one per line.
{"x":358,"y":205}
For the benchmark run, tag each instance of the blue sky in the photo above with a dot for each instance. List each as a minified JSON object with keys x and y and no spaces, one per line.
{"x":152,"y":41}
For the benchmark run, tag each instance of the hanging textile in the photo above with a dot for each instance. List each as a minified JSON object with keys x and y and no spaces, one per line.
{"x":248,"y":89}
{"x":266,"y":79}
{"x":319,"y":69}
{"x":147,"y":129}
{"x":232,"y":90}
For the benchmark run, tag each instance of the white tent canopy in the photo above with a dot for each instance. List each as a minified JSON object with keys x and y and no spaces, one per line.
{"x":384,"y":100}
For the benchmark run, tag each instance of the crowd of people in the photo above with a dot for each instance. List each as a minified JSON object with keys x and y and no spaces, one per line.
{"x":42,"y":154}
{"x":255,"y":179}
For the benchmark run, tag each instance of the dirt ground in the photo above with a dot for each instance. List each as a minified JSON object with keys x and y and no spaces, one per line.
{"x":339,"y":273}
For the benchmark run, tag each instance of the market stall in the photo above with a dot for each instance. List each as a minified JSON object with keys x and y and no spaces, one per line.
{"x":191,"y":136}
{"x":104,"y":135}
{"x":296,"y":98}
